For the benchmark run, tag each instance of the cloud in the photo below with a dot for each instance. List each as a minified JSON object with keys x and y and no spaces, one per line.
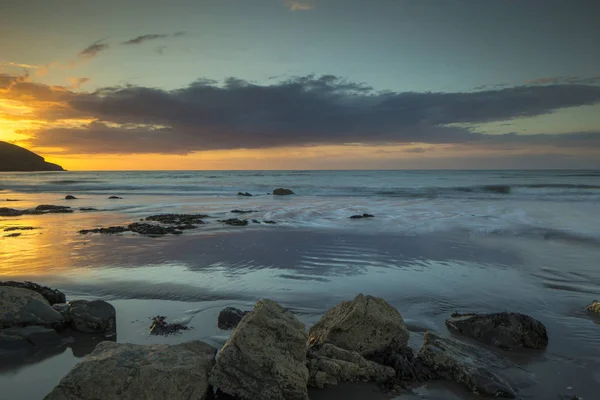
{"x":77,"y":82}
{"x":20,"y":65}
{"x":92,"y":50}
{"x":299,"y":5}
{"x":559,"y":80}
{"x":153,"y":36}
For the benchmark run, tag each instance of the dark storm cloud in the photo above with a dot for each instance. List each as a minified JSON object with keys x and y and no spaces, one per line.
{"x":302,"y":111}
{"x":92,"y":50}
{"x":149,"y":37}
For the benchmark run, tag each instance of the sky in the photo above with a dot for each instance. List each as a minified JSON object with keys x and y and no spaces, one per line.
{"x":302,"y":84}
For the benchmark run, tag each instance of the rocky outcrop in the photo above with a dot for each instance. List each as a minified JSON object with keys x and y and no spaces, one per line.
{"x":594,"y":307}
{"x":152,"y":229}
{"x":52,"y":295}
{"x":230,"y":317}
{"x":234,"y":222}
{"x":265,"y":358}
{"x":24,"y":307}
{"x":111,"y":230}
{"x":503,"y":330}
{"x":92,"y":316}
{"x":11,"y":212}
{"x":364,"y":325}
{"x":244,"y":194}
{"x":15,"y":158}
{"x":328,"y":365}
{"x":131,"y":372}
{"x":70,"y":197}
{"x":178,"y":219}
{"x":361,"y":216}
{"x":282,"y":192}
{"x":477,"y":369}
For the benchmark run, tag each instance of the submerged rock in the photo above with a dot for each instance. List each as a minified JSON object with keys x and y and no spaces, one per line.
{"x":51,"y":209}
{"x":53,"y":296}
{"x":70,"y":197}
{"x":243,"y":211}
{"x":234,"y":222}
{"x":329,"y":365}
{"x":88,"y":209}
{"x":360,"y":216}
{"x":151,"y":229}
{"x":477,"y":369}
{"x":230,"y":317}
{"x":162,"y":328}
{"x":265,"y":358}
{"x":11,"y":212}
{"x":503,"y":330}
{"x":594,"y":307}
{"x":19,"y":228}
{"x":269,"y":222}
{"x":16,"y":234}
{"x":183,"y":219}
{"x":282,"y":192}
{"x":364,"y":325}
{"x":96,"y":316}
{"x":244,"y":194}
{"x":131,"y":372}
{"x":114,"y":198}
{"x":23,"y":307}
{"x":105,"y":231}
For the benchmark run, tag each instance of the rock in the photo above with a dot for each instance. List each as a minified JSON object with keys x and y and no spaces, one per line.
{"x":16,"y":234}
{"x":162,"y":328}
{"x":270,"y":222}
{"x":11,"y":212}
{"x":23,"y":307}
{"x":244,"y":194}
{"x":243,"y":211}
{"x":16,"y":158}
{"x":51,"y":209}
{"x":364,"y":325}
{"x":230,"y":317}
{"x":255,"y":221}
{"x":65,"y":310}
{"x":183,"y":219}
{"x":115,"y":198}
{"x":408,"y":367}
{"x":282,"y":192}
{"x":96,"y":316}
{"x":265,"y":358}
{"x":28,"y":337}
{"x":475,"y":368}
{"x":52,"y":295}
{"x":88,"y":209}
{"x":70,"y":197}
{"x":360,"y":216}
{"x":13,"y":200}
{"x":329,"y":365}
{"x":130,"y":372}
{"x":503,"y":330}
{"x":105,"y":231}
{"x":151,"y":229}
{"x":594,"y":307}
{"x":234,"y":222}
{"x":19,"y":228}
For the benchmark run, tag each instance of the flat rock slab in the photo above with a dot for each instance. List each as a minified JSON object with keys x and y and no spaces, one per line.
{"x":503,"y":330}
{"x":96,"y":316}
{"x":265,"y":358}
{"x":478,"y":370}
{"x":131,"y":372}
{"x":364,"y":325}
{"x":23,"y":307}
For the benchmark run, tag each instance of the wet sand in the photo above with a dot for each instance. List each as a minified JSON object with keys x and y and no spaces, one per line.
{"x":426,"y":277}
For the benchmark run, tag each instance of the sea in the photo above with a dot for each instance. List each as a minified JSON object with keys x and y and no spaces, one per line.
{"x":439,"y":242}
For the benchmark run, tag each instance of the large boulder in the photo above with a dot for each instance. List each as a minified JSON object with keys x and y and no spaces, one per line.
{"x":477,"y":369}
{"x":131,"y":372}
{"x":92,"y":316}
{"x":364,"y":325}
{"x":265,"y":358}
{"x":230,"y":317}
{"x":282,"y":192}
{"x":503,"y":330}
{"x":23,"y":307}
{"x":329,"y":365}
{"x":52,"y":295}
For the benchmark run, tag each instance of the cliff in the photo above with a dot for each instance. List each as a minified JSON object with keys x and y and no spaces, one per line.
{"x":15,"y":158}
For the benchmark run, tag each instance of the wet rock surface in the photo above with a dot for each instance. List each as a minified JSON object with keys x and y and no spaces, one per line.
{"x":111,"y":230}
{"x":234,"y":222}
{"x":53,"y":296}
{"x":131,"y":372}
{"x":51,"y":209}
{"x":503,"y":330}
{"x":265,"y":358}
{"x":328,"y":365}
{"x":230,"y":317}
{"x":161,"y":327}
{"x":478,"y":370}
{"x":361,"y":216}
{"x":364,"y":325}
{"x":178,"y":219}
{"x":96,"y":316}
{"x":282,"y":192}
{"x":152,"y":229}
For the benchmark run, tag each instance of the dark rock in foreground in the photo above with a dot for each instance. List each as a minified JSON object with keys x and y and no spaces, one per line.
{"x":265,"y":358}
{"x":161,"y":327}
{"x":244,"y":194}
{"x":53,"y":296}
{"x":234,"y":222}
{"x":503,"y":330}
{"x":282,"y":192}
{"x":96,"y":316}
{"x":15,"y":158}
{"x":364,"y":325}
{"x":360,"y":216}
{"x":477,"y":369}
{"x":230,"y":317}
{"x":70,"y":197}
{"x":151,"y":229}
{"x":114,"y":198}
{"x":105,"y":231}
{"x":328,"y":365}
{"x":132,"y":372}
{"x":183,"y":219}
